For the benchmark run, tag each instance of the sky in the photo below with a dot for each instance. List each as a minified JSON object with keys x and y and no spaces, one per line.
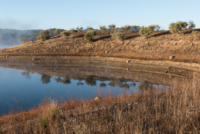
{"x":67,"y":14}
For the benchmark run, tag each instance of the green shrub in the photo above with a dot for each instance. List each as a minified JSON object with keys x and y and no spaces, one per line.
{"x":191,"y":25}
{"x":24,"y":40}
{"x":146,"y":31}
{"x":89,"y":35}
{"x":89,"y":28}
{"x":65,"y":34}
{"x":79,"y":29}
{"x":118,"y":35}
{"x":194,"y":33}
{"x":176,"y":27}
{"x":73,"y":31}
{"x":102,"y":28}
{"x":44,"y":35}
{"x":112,"y":27}
{"x":127,"y":28}
{"x":57,"y":31}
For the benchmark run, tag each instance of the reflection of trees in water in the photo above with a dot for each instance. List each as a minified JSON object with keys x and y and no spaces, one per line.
{"x":45,"y":79}
{"x":64,"y":80}
{"x":102,"y":84}
{"x":119,"y":82}
{"x":146,"y":87}
{"x":26,"y":74}
{"x":90,"y":81}
{"x":79,"y":83}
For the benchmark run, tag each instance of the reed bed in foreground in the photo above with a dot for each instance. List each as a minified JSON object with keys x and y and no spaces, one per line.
{"x":174,"y":110}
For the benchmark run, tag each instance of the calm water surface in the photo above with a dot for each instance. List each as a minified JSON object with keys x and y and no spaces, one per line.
{"x":20,"y":90}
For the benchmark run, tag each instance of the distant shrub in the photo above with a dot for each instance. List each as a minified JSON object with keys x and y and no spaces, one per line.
{"x":24,"y":40}
{"x":102,"y":28}
{"x":89,"y":28}
{"x":57,"y":31}
{"x":89,"y":35}
{"x":65,"y":34}
{"x":127,"y":28}
{"x":191,"y":25}
{"x":146,"y":31}
{"x":176,"y":27}
{"x":194,"y":33}
{"x":112,"y":27}
{"x":79,"y":29}
{"x":122,"y":29}
{"x":118,"y":35}
{"x":44,"y":35}
{"x":73,"y":31}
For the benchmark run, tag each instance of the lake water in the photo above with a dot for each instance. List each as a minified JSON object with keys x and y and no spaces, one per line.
{"x":21,"y":89}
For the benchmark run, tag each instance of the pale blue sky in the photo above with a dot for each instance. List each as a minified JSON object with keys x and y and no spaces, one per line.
{"x":66,"y":14}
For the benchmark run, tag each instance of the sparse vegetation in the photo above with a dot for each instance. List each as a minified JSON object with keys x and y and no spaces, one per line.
{"x":79,"y":29}
{"x":57,"y":31}
{"x":194,"y":33}
{"x":24,"y":40}
{"x":176,"y":27}
{"x":191,"y":25}
{"x":44,"y":35}
{"x":146,"y":31}
{"x":102,"y":28}
{"x":112,"y":27}
{"x":118,"y":35}
{"x":127,"y":28}
{"x":89,"y":28}
{"x":89,"y":35}
{"x":65,"y":34}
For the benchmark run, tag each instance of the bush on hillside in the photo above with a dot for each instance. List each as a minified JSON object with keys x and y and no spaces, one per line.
{"x":44,"y":35}
{"x":194,"y":33}
{"x":191,"y":25}
{"x":24,"y":40}
{"x":146,"y":31}
{"x":176,"y":27}
{"x":112,"y":27}
{"x":127,"y":28}
{"x":102,"y":28}
{"x":65,"y":34}
{"x":57,"y":31}
{"x":118,"y":35}
{"x":89,"y":28}
{"x":89,"y":35}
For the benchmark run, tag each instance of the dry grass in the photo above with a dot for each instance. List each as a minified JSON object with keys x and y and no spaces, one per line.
{"x":168,"y":111}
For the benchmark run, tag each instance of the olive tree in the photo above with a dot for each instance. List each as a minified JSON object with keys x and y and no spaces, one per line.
{"x":176,"y":27}
{"x":89,"y":35}
{"x":191,"y":25}
{"x":146,"y":31}
{"x":112,"y":27}
{"x":24,"y":40}
{"x":102,"y":28}
{"x":57,"y":31}
{"x":44,"y":35}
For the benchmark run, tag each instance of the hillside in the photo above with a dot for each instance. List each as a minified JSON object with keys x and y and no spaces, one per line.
{"x":159,"y":46}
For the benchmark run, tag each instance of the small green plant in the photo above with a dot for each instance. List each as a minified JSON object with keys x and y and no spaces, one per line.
{"x":102,"y":28}
{"x":44,"y":122}
{"x":127,"y":28}
{"x":176,"y":27}
{"x":134,"y":27}
{"x":191,"y":25}
{"x":89,"y":35}
{"x":24,"y":40}
{"x":79,"y":29}
{"x":65,"y":34}
{"x":44,"y":35}
{"x":73,"y":31}
{"x":146,"y":31}
{"x":89,"y":28}
{"x":194,"y":33}
{"x":112,"y":27}
{"x":118,"y":35}
{"x":57,"y":31}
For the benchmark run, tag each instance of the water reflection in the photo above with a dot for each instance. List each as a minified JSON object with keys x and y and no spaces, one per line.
{"x":90,"y":80}
{"x":64,"y":80}
{"x":26,"y":74}
{"x":45,"y":79}
{"x":146,"y":87}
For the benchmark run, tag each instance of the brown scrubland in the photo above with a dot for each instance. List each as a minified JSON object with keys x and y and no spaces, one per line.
{"x":174,"y":110}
